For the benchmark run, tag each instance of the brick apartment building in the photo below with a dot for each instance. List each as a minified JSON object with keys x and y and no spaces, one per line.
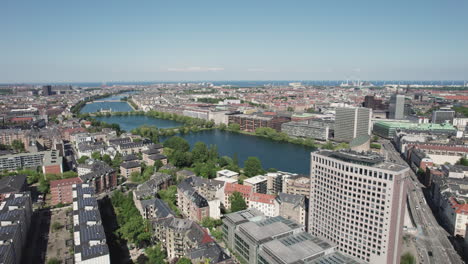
{"x":62,"y":190}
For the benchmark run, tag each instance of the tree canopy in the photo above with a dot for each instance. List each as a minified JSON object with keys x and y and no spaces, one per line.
{"x":155,"y":255}
{"x":253,"y":167}
{"x":132,"y":227}
{"x":177,"y":144}
{"x":237,"y":202}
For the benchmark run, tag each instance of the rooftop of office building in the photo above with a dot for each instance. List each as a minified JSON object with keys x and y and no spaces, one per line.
{"x":297,"y":247}
{"x":264,"y":229}
{"x":370,"y":159}
{"x":408,"y":125}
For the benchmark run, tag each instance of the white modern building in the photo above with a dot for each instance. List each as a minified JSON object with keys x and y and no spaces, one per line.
{"x":357,"y":200}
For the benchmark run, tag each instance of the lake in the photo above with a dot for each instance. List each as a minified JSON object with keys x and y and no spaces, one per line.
{"x":279,"y":155}
{"x":115,"y":106}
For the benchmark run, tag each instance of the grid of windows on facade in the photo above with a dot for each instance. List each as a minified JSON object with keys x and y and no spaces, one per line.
{"x":351,"y":202}
{"x":241,"y":246}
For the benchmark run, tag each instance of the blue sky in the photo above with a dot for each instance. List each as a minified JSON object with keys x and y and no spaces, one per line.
{"x":146,"y":40}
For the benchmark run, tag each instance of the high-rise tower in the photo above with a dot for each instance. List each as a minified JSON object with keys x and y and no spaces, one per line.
{"x":357,"y":200}
{"x":352,"y":122}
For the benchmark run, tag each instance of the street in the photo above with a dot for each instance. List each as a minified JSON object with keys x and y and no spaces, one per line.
{"x":432,"y":241}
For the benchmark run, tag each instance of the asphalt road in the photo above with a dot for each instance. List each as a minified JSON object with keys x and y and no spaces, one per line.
{"x":432,"y":241}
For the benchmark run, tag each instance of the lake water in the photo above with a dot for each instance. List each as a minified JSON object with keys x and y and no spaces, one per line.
{"x":279,"y":155}
{"x":115,"y":106}
{"x":128,"y":123}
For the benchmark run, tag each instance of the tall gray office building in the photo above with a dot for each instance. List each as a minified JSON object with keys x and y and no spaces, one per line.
{"x":443,"y":115}
{"x":397,"y":106}
{"x":352,"y":122}
{"x":357,"y":201}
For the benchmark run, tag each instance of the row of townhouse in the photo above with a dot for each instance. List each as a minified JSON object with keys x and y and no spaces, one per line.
{"x":89,"y":238}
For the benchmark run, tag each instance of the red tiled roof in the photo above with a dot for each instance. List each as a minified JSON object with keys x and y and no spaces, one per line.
{"x":234,"y":187}
{"x":206,"y":237}
{"x":64,"y":182}
{"x":262,"y":198}
{"x":15,"y":119}
{"x":457,"y":97}
{"x":459,"y":208}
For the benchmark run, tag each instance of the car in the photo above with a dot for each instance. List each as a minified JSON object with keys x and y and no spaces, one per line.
{"x":417,"y":207}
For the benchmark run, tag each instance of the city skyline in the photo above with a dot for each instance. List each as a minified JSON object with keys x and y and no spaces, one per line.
{"x":95,"y":42}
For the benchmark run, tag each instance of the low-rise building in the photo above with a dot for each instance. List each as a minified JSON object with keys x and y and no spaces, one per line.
{"x":230,"y":188}
{"x":127,"y":168}
{"x":154,"y":209}
{"x":297,"y":184}
{"x":227,"y":174}
{"x":265,"y":203}
{"x":258,"y":183}
{"x":292,"y":206}
{"x":158,"y":181}
{"x":185,"y":238}
{"x":151,"y":159}
{"x":98,"y":174}
{"x":192,"y":204}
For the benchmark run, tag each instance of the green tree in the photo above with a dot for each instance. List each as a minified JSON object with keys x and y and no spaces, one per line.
{"x":43,"y":186}
{"x":199,"y":152}
{"x":107,"y":159}
{"x":177,"y":144}
{"x":136,"y":177}
{"x":213,"y":152}
{"x":117,"y":160}
{"x":237,"y":202}
{"x":96,"y":155}
{"x":222,"y":126}
{"x":157,"y":165}
{"x":132,"y":227}
{"x":69,"y":174}
{"x":17,"y":145}
{"x":83,"y":159}
{"x":253,"y":167}
{"x":234,"y":127}
{"x":169,"y":196}
{"x":290,"y":109}
{"x":211,"y":223}
{"x":184,"y":260}
{"x":181,"y":159}
{"x":408,"y":258}
{"x":463,"y":161}
{"x":375,"y":146}
{"x":53,"y":261}
{"x":155,"y":255}
{"x":328,"y":145}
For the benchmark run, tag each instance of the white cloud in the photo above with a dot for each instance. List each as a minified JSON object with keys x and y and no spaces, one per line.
{"x":196,"y":69}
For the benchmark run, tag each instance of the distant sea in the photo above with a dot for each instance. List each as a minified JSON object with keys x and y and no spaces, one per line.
{"x":262,"y":83}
